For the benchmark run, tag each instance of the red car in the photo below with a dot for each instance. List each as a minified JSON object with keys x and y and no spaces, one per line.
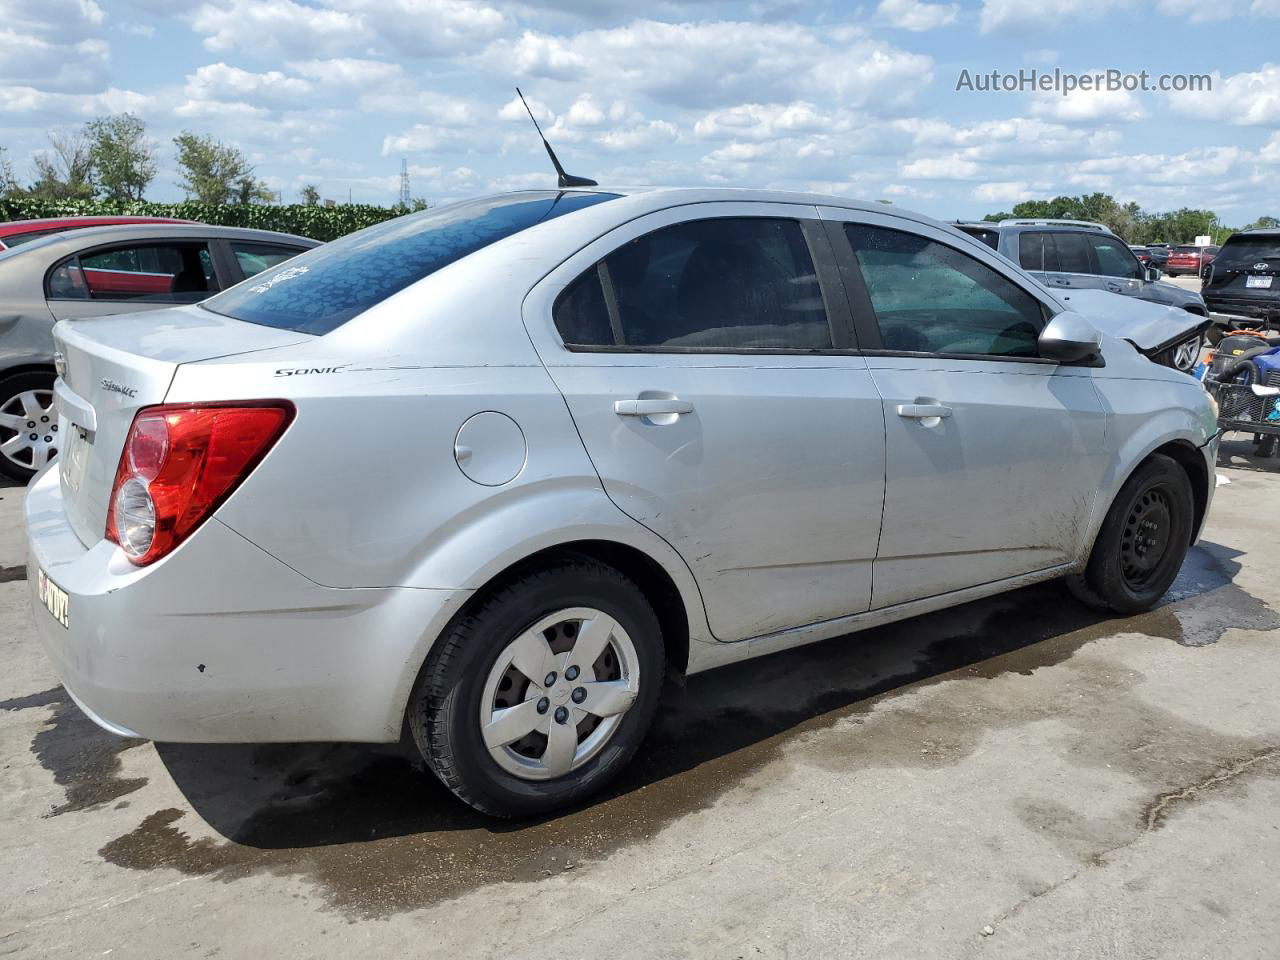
{"x":1188,"y":259}
{"x":23,"y":231}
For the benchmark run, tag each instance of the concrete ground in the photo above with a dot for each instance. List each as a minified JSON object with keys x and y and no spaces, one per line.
{"x":1014,"y":778}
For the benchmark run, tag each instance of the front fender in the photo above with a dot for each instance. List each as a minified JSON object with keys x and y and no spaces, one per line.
{"x":1142,"y":417}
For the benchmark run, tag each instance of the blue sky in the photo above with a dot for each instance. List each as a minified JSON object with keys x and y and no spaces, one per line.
{"x":857,"y":100}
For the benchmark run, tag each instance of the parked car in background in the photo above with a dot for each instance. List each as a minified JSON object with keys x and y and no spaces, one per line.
{"x":1242,"y":284}
{"x":482,"y":474}
{"x":1189,"y":259}
{"x":16,"y":232}
{"x":1142,"y":253}
{"x":1068,"y":255}
{"x":93,"y":272}
{"x":1159,"y":253}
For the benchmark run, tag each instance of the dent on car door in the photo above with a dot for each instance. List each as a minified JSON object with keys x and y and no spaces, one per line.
{"x":708,"y":373}
{"x":993,"y":456}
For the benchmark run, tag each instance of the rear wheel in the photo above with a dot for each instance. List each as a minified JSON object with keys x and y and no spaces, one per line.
{"x":1143,"y":540}
{"x":539,"y":696}
{"x":28,"y":424}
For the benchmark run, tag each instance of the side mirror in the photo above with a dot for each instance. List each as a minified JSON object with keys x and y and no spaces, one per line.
{"x":1069,"y":338}
{"x":1153,"y":274}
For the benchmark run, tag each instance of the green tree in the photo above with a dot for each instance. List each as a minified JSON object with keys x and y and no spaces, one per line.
{"x":121,"y":157}
{"x":7,"y":184}
{"x":63,"y":171}
{"x":249,"y":190}
{"x":310,"y":195}
{"x":212,"y":171}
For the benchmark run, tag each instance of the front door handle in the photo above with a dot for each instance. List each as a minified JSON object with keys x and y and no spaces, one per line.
{"x":651,"y":408}
{"x":923,"y":411}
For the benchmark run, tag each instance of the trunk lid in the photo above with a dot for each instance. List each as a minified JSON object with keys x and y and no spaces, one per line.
{"x":109,"y":368}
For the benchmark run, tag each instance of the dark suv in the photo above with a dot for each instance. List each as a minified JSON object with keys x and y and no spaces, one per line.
{"x":1079,"y":255}
{"x":1242,"y":284}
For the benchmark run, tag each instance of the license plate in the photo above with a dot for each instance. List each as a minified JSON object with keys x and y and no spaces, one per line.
{"x":54,"y":598}
{"x":1258,"y":282}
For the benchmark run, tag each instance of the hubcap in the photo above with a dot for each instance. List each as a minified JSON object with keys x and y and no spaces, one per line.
{"x":557,"y":693}
{"x":29,"y":429}
{"x":1146,"y":537}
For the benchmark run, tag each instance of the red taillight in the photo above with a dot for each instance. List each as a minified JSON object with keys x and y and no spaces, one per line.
{"x":180,"y":461}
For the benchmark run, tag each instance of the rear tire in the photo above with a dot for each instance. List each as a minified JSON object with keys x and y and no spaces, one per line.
{"x":1143,"y":540}
{"x":480,"y":671}
{"x":26,"y":409}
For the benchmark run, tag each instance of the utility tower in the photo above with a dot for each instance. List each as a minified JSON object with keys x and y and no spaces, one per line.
{"x":404,"y":183}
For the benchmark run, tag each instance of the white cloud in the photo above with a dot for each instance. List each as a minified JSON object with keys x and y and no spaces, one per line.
{"x":1088,"y":106}
{"x":706,"y":64}
{"x":644,"y":136}
{"x":917,"y":16}
{"x":1004,"y":192}
{"x":758,"y":121}
{"x":222,"y":82}
{"x":1243,"y":98}
{"x":941,"y":168}
{"x":1045,"y":15}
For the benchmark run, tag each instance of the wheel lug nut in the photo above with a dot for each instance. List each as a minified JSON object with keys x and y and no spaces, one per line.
{"x":35,"y":436}
{"x":571,"y":673}
{"x":562,"y":714}
{"x":549,"y":680}
{"x":48,"y":439}
{"x":579,"y":694}
{"x":544,"y":705}
{"x":44,"y":419}
{"x":30,"y":424}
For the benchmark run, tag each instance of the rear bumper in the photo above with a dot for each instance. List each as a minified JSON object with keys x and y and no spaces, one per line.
{"x":220,"y":642}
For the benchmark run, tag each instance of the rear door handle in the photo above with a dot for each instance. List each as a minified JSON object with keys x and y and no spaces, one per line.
{"x":923,"y":411}
{"x":650,"y":408}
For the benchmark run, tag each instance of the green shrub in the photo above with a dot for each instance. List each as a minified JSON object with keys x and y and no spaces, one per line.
{"x":317,"y":222}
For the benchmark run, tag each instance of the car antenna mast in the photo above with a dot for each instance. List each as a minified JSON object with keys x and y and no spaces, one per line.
{"x":566,"y":179}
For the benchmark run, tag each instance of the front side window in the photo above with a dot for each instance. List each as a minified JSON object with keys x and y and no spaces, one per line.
{"x":323,"y":288}
{"x":931,"y":298}
{"x":253,"y":258}
{"x":155,"y":272}
{"x":1115,"y":259}
{"x":724,"y":284}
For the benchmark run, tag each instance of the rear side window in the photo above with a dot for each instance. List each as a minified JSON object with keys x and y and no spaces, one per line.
{"x":931,"y":298}
{"x":253,"y":258}
{"x":1037,"y":252}
{"x":324,"y":288}
{"x":155,"y":272}
{"x":1114,"y":258}
{"x":742,"y":283}
{"x":1073,"y":253}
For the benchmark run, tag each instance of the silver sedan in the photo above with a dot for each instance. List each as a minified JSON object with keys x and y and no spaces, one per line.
{"x":486,"y":473}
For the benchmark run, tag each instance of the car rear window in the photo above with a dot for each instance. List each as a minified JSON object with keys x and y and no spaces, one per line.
{"x":322,"y":289}
{"x":1243,"y":253}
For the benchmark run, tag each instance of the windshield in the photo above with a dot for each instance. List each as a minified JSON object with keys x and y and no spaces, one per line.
{"x":1241,"y":253}
{"x":324,"y":288}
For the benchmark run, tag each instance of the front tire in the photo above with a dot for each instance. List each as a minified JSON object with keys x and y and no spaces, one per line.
{"x":1143,"y":540}
{"x":540,"y":695}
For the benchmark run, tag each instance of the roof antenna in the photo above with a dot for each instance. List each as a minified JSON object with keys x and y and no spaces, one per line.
{"x":566,"y":179}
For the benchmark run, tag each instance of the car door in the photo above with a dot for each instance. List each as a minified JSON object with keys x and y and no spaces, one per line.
{"x":994,"y":456}
{"x":1120,"y":270}
{"x":705,"y":356}
{"x":129,"y":277}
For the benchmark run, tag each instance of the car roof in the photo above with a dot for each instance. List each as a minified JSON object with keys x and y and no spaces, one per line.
{"x":1256,"y":232}
{"x":84,"y":236}
{"x":13,"y":228}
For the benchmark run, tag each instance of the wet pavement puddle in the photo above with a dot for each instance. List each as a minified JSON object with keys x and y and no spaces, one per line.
{"x":377,"y":834}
